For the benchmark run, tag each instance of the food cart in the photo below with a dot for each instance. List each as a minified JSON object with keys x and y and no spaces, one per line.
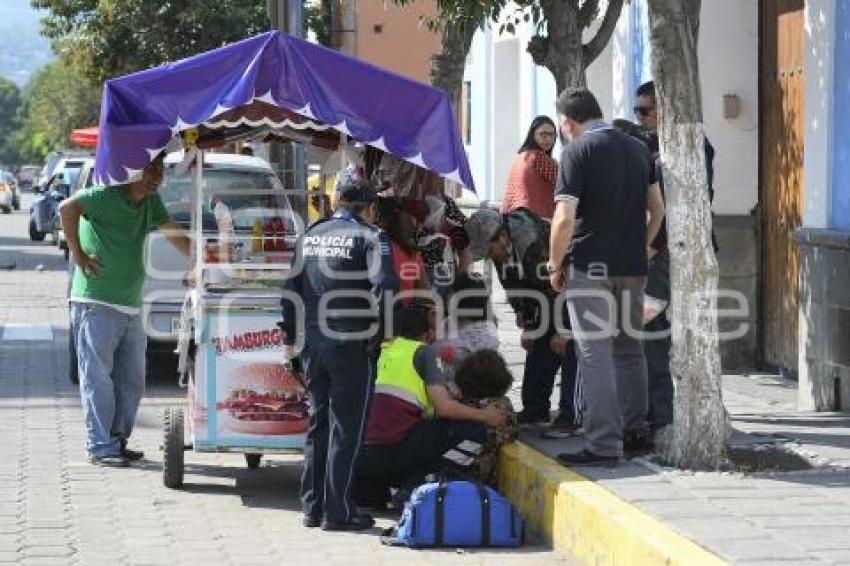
{"x":241,"y":395}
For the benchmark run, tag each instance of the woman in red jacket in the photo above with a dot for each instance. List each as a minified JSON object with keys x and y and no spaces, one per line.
{"x":531,"y":183}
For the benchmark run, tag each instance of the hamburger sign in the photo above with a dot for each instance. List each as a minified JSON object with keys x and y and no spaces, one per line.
{"x":258,"y":400}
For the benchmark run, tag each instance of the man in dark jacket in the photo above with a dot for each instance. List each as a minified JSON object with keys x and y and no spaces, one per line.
{"x":518,"y":245}
{"x":338,"y":277}
{"x":657,"y":344}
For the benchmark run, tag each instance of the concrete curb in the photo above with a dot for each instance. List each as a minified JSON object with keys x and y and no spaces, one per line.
{"x":583,"y":519}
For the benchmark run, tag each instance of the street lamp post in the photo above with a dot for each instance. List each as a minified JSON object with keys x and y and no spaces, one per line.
{"x":288,"y":159}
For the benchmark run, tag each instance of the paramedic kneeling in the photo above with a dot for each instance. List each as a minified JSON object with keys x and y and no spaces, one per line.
{"x":415,"y":425}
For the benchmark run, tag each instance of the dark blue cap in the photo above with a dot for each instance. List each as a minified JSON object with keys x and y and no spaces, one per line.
{"x":358,"y":191}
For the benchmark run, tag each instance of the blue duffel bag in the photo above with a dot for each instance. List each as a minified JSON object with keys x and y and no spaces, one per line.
{"x":457,"y":514}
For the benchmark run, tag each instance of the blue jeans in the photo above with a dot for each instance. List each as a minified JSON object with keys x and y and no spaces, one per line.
{"x":111,"y":358}
{"x":538,"y":380}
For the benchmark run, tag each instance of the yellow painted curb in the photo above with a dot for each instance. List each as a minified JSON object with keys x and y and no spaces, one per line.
{"x":578,"y":516}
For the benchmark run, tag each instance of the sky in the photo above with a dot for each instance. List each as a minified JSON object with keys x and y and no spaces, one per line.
{"x":22,"y":49}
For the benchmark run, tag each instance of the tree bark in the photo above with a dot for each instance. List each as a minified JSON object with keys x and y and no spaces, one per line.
{"x":596,"y":46}
{"x":447,"y":67}
{"x":696,"y":439}
{"x":562,"y":50}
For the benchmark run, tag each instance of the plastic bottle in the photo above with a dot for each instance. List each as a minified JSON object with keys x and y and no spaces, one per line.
{"x":279,"y":235}
{"x":257,"y":237}
{"x":268,"y":235}
{"x":226,"y":235}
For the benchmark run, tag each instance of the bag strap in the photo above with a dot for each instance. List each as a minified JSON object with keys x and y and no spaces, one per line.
{"x":440,"y":514}
{"x":389,"y":537}
{"x":485,"y":514}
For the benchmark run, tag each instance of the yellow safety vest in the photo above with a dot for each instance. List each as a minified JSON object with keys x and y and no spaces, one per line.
{"x":398,"y":377}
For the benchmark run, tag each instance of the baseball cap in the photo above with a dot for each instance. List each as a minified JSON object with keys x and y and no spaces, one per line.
{"x":358,"y":191}
{"x":481,"y":228}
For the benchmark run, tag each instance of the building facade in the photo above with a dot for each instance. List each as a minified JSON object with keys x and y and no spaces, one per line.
{"x":823,"y":241}
{"x":505,"y":90}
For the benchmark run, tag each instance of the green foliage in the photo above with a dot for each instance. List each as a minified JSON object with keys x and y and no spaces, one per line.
{"x":317,"y":20}
{"x":10,"y":102}
{"x":461,"y":12}
{"x":57,"y":100}
{"x":115,"y":37}
{"x":483,"y":11}
{"x":536,"y":11}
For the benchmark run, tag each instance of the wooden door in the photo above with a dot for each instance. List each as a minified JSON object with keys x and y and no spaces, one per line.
{"x":782,"y":89}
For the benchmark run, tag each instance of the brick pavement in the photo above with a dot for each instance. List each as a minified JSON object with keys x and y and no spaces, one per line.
{"x":57,"y":509}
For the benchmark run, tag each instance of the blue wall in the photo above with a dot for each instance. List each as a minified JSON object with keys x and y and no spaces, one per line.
{"x":641,"y":46}
{"x":840,"y":217}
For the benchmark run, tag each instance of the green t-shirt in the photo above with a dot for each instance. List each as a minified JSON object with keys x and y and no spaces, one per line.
{"x":114,"y":229}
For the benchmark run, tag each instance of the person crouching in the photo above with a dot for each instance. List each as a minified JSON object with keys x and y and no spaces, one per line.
{"x":416,"y":427}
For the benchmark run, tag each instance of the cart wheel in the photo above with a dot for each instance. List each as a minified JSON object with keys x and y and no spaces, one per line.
{"x":253,"y":460}
{"x":172,"y":448}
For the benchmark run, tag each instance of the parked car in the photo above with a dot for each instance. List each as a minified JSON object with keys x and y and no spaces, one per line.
{"x":44,"y":211}
{"x":165,"y":290}
{"x":27,"y":176}
{"x":12,"y":182}
{"x":85,"y":179}
{"x":8,"y":191}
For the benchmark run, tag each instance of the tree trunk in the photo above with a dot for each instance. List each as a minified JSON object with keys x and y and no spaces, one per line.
{"x":561,"y":51}
{"x":344,"y":32}
{"x":447,"y":67}
{"x":696,"y":439}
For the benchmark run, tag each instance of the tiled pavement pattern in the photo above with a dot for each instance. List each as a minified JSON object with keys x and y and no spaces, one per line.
{"x":797,"y":518}
{"x":57,"y":509}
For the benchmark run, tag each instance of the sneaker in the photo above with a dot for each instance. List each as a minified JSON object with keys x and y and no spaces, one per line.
{"x":637,"y":443}
{"x":132,"y":455}
{"x":587,"y":458}
{"x":311,"y":521}
{"x":356,"y":523}
{"x":109,"y":461}
{"x":561,"y":427}
{"x":531,"y":420}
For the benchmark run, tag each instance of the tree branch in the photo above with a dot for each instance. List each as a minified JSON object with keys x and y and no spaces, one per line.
{"x":596,"y":45}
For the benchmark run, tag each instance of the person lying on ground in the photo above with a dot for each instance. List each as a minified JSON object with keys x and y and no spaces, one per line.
{"x":483,"y":379}
{"x":469,"y":325}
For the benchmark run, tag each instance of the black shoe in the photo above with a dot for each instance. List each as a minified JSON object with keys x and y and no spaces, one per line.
{"x":109,"y":461}
{"x":311,"y":521}
{"x":356,"y":523}
{"x":562,"y":427}
{"x":637,"y":443}
{"x":531,"y":420}
{"x":587,"y":458}
{"x":132,"y":455}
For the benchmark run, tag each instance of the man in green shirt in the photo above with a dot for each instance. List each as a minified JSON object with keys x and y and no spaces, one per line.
{"x":106,"y":229}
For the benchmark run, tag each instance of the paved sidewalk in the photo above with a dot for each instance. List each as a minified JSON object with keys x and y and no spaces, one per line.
{"x":57,"y":509}
{"x":763,"y":518}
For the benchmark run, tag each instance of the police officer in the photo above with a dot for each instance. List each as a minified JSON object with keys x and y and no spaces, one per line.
{"x":339,"y":277}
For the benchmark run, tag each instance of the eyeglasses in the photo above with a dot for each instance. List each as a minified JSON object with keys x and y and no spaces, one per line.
{"x":643,"y":110}
{"x":545,"y":134}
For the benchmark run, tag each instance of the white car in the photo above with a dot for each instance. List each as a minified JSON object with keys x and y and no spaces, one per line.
{"x":44,"y":211}
{"x":7,"y":192}
{"x":165,"y":290}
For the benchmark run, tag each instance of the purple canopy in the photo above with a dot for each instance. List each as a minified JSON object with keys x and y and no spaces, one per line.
{"x":142,"y":112}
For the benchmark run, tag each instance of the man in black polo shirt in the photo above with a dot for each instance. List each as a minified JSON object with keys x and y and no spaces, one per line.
{"x":598,"y":246}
